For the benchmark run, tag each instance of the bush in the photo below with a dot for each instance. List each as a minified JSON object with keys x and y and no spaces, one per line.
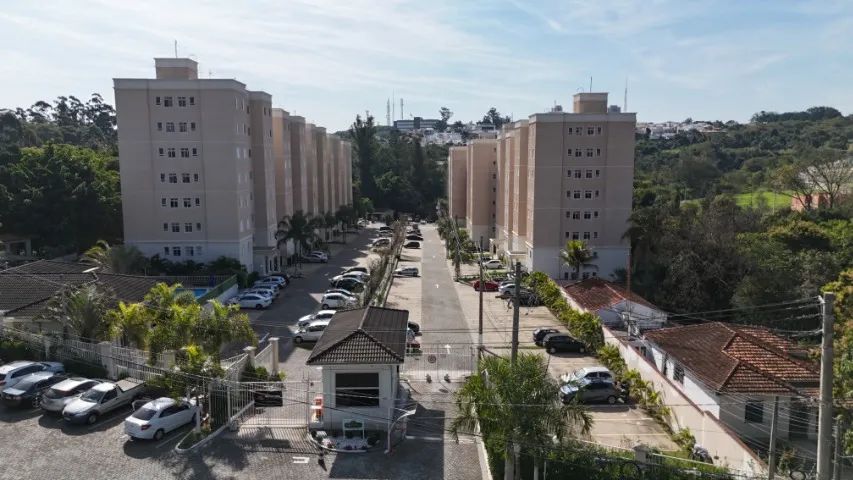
{"x":11,"y":350}
{"x":586,"y":327}
{"x":85,"y":369}
{"x":685,"y":440}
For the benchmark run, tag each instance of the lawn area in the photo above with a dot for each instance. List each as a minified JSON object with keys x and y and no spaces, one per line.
{"x":775,"y":201}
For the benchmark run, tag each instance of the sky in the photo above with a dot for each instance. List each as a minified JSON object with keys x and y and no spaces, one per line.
{"x":330,"y":60}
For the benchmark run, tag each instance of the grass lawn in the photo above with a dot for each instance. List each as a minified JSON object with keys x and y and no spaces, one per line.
{"x":775,"y":201}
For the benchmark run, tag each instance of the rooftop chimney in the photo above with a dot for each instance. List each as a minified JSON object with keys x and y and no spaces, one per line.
{"x":176,"y":68}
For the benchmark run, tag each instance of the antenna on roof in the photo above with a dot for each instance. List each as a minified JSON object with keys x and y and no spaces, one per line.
{"x":590,"y":83}
{"x":625,"y":101}
{"x":176,"y":49}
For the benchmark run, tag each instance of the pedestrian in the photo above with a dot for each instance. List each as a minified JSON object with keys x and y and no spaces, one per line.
{"x":321,"y":460}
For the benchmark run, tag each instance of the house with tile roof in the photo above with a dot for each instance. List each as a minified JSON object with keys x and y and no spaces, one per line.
{"x":360,"y":353}
{"x":735,"y":371}
{"x":611,"y":302}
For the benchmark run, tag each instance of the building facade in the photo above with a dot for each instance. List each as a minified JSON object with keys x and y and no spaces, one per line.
{"x":481,"y":190}
{"x":457,"y":183}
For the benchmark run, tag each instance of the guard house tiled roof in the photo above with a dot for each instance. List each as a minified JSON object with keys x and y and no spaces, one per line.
{"x":594,"y":294}
{"x":739,"y":359}
{"x":363,"y":336}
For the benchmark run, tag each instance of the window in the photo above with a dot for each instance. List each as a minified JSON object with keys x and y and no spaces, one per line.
{"x":167,"y":101}
{"x":166,"y":251}
{"x":163,"y":202}
{"x":585,"y":276}
{"x":195,"y":152}
{"x":589,"y":174}
{"x":598,"y":130}
{"x":185,"y":178}
{"x":577,"y":174}
{"x":596,"y":194}
{"x":587,"y":194}
{"x":176,"y":251}
{"x":188,"y":202}
{"x":570,"y":130}
{"x":678,"y":374}
{"x":357,"y":389}
{"x":182,"y":127}
{"x":195,"y":177}
{"x":586,"y":235}
{"x":578,"y":130}
{"x":182,"y":101}
{"x":192,"y":100}
{"x":568,"y":214}
{"x":162,"y":178}
{"x":574,"y":275}
{"x":198,"y":227}
{"x":171,"y":152}
{"x":575,"y":235}
{"x":597,"y":173}
{"x":597,"y":152}
{"x":754,"y":412}
{"x":576,"y":215}
{"x":173,"y":178}
{"x":192,"y":126}
{"x":160,"y":151}
{"x":594,"y":235}
{"x":595,"y":214}
{"x":159,"y":126}
{"x":198,"y":250}
{"x":166,"y":229}
{"x":170,"y":127}
{"x":587,"y":215}
{"x":185,"y":152}
{"x":156,"y":100}
{"x":578,"y":152}
{"x":173,"y":202}
{"x":590,"y":130}
{"x":190,"y":251}
{"x":589,"y":152}
{"x":197,"y":202}
{"x":567,"y":235}
{"x":188,"y":227}
{"x":176,"y":227}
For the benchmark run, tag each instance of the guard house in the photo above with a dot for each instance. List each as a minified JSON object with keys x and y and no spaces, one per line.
{"x":360,"y":353}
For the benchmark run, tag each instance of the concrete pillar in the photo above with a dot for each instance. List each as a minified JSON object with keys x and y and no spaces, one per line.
{"x":274,"y":345}
{"x":166,"y":359}
{"x":250,"y":351}
{"x":105,"y":349}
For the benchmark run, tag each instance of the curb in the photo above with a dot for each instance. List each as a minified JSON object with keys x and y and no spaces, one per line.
{"x":204,"y":441}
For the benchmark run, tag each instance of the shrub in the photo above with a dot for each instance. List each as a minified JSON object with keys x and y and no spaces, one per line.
{"x":685,"y":440}
{"x":11,"y":350}
{"x":85,"y":369}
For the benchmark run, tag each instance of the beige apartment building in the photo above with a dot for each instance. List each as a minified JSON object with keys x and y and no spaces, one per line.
{"x":511,"y":221}
{"x":457,"y":183}
{"x":480,"y":197}
{"x":186,"y":175}
{"x":208,"y":168}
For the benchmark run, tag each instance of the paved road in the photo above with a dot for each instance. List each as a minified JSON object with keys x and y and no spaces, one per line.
{"x":440,"y":306}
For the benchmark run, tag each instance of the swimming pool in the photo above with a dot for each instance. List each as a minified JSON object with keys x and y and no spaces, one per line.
{"x":197,"y":292}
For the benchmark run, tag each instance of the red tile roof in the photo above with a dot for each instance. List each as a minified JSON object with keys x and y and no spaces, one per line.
{"x":739,"y":358}
{"x":594,"y":294}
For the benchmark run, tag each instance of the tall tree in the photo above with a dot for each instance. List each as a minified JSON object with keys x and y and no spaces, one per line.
{"x":125,"y":259}
{"x":494,"y":117}
{"x":576,"y":254}
{"x":444,"y":114}
{"x":299,"y":228}
{"x":81,"y":311}
{"x":363,"y":133}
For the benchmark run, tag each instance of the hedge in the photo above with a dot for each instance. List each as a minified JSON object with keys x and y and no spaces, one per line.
{"x":586,"y":327}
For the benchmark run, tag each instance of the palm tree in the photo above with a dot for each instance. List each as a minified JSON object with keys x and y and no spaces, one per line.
{"x":81,"y":311}
{"x":300,"y":228}
{"x":130,"y":323}
{"x":222,"y":324}
{"x":515,"y":404}
{"x":115,"y":259}
{"x":576,"y":255}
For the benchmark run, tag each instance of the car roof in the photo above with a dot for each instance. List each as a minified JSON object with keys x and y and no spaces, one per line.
{"x":104,"y":387}
{"x":594,"y":369}
{"x":318,"y":322}
{"x":15,"y":365}
{"x":159,"y":403}
{"x":69,"y":383}
{"x":42,"y":374}
{"x":326,"y":312}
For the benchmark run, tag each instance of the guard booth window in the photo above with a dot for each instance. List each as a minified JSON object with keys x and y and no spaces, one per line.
{"x":357,"y":389}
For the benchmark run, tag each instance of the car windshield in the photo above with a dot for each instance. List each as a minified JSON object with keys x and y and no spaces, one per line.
{"x":27,"y":385}
{"x":145,"y":414}
{"x":92,"y":395}
{"x":54,"y":393}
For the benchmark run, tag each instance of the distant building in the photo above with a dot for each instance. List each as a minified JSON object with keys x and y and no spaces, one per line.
{"x":614,"y":305}
{"x":457,"y":183}
{"x":415,"y":124}
{"x":481,"y":178}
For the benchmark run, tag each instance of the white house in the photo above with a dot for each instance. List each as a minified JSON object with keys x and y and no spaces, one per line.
{"x":614,"y":304}
{"x":735,"y":371}
{"x":360,"y":353}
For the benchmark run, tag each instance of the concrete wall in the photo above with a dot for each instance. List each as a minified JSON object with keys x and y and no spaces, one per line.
{"x":481,"y":179}
{"x":721,"y":441}
{"x":373,"y":417}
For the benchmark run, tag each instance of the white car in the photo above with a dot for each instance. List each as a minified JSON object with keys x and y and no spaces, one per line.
{"x":593,"y":374}
{"x":58,"y":396}
{"x":344,"y":292}
{"x":381,"y":242}
{"x":311,"y":332}
{"x":321,"y":315}
{"x":407,"y":272}
{"x":355,"y":269}
{"x":254,"y":300}
{"x":321,"y":254}
{"x":493,"y":264}
{"x":12,"y":373}
{"x":335,"y":301}
{"x":265,"y":291}
{"x":159,"y":417}
{"x":312,"y":258}
{"x":278,"y":279}
{"x":360,"y":276}
{"x":270,"y":284}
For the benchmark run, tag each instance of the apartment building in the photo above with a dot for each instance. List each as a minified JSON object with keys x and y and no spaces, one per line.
{"x":511,"y":196}
{"x":481,"y":190}
{"x":186,"y":174}
{"x":299,"y":168}
{"x":580,"y":172}
{"x":283,"y":166}
{"x":457,"y":183}
{"x":312,"y":206}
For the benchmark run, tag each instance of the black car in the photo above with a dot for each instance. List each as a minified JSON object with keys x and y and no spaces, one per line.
{"x":562,"y":342}
{"x":540,"y":333}
{"x":415,"y":237}
{"x":348,"y":283}
{"x":412,"y":244}
{"x":28,"y":391}
{"x":415,"y":328}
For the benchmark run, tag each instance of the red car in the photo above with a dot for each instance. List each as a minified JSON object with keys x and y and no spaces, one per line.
{"x":488,"y":286}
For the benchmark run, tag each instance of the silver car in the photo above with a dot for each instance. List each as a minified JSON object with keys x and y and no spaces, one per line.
{"x":58,"y":396}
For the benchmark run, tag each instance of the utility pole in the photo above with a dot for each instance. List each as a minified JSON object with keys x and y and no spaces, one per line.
{"x":824,"y":426}
{"x":839,"y":448}
{"x":480,"y":312}
{"x":515,"y":312}
{"x":771,"y":457}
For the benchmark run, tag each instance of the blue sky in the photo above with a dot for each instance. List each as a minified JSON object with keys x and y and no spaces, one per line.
{"x":328,"y":60}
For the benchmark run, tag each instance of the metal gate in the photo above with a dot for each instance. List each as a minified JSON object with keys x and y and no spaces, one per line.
{"x":269,"y":404}
{"x":437,"y":361}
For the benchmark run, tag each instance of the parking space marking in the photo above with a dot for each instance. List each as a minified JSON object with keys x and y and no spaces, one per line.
{"x":300,"y":460}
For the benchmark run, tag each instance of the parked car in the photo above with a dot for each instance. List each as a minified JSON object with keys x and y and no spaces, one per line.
{"x":415,"y":328}
{"x":412,"y":244}
{"x":270,"y":284}
{"x":320,"y":315}
{"x":385,"y":228}
{"x":343,"y":291}
{"x":335,"y":301}
{"x":413,"y":344}
{"x":387,"y":235}
{"x":312,"y":258}
{"x":29,"y":390}
{"x":349,"y":283}
{"x":540,"y":333}
{"x":407,"y":272}
{"x":58,"y":396}
{"x":312,"y":332}
{"x":562,"y":342}
{"x":320,"y":253}
{"x":488,"y":286}
{"x":595,"y":374}
{"x":102,"y":398}
{"x":355,"y":269}
{"x":360,"y":276}
{"x":381,"y":242}
{"x":415,"y":237}
{"x":14,"y":372}
{"x":252,"y":300}
{"x":587,"y":391}
{"x":508,"y":289}
{"x":493,"y":264}
{"x":280,"y":280}
{"x":159,"y":417}
{"x":264,"y":291}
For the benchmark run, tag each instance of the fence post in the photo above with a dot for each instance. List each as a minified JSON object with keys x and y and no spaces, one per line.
{"x":46,"y":340}
{"x":273,"y":343}
{"x":105,"y":351}
{"x":166,"y":359}
{"x":250,"y":351}
{"x":641,"y":453}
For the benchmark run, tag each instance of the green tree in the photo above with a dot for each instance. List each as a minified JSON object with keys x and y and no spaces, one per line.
{"x":221,"y":324}
{"x":493,"y":117}
{"x":130,"y":324}
{"x":81,"y":311}
{"x":363,"y":133}
{"x":300,"y":228}
{"x":576,"y":254}
{"x":515,"y":404}
{"x":444,"y":114}
{"x":124,"y":259}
